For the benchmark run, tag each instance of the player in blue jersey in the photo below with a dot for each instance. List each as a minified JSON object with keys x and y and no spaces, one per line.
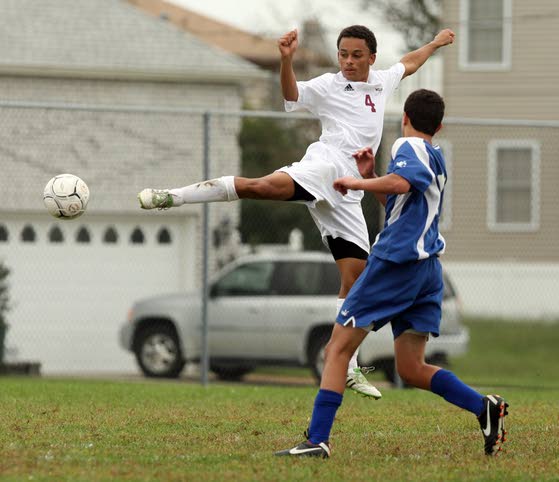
{"x":402,"y":282}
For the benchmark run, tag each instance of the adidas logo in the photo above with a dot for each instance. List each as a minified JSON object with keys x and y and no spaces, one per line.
{"x":349,"y":88}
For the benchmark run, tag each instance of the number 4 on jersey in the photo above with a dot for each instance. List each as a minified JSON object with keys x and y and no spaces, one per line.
{"x":370,"y":103}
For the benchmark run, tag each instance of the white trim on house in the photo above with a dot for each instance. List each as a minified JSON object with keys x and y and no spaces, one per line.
{"x":523,"y":291}
{"x":534,"y":173}
{"x":464,"y":63}
{"x":445,"y":222}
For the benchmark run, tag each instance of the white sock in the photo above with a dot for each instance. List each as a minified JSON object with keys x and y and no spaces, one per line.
{"x":214,"y":190}
{"x":353,"y":361}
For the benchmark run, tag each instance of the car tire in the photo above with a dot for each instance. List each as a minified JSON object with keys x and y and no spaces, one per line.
{"x":317,"y":347}
{"x":438,"y":359}
{"x":231,"y":372}
{"x":158,"y":351}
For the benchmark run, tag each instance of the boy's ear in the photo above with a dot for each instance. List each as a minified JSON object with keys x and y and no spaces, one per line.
{"x":438,"y":128}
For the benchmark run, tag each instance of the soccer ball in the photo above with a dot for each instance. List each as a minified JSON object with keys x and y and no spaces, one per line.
{"x":66,"y":196}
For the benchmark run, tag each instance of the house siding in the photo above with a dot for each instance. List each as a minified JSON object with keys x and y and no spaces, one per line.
{"x":525,"y":91}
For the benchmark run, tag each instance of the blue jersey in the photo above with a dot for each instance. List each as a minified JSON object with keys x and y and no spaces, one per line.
{"x":411,"y":228}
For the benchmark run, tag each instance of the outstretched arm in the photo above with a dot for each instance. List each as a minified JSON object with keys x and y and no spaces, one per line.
{"x":413,"y":60}
{"x":383,"y":185}
{"x":379,"y":186}
{"x":287,"y":45}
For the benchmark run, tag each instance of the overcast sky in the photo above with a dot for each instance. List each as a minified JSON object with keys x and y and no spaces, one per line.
{"x":273,"y":17}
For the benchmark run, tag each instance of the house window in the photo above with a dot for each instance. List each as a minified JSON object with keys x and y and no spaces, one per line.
{"x":110,"y":236}
{"x":83,"y":235}
{"x":137,"y":236}
{"x":445,"y":221}
{"x":4,"y":236}
{"x":28,"y":234}
{"x":514,"y":184}
{"x":163,"y":236}
{"x":55,"y":235}
{"x":487,"y":34}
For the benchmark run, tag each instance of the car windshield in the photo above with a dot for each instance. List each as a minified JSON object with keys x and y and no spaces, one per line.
{"x":307,"y":278}
{"x":251,"y":279}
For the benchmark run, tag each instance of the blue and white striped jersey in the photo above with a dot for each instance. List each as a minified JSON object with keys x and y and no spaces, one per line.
{"x":411,"y":228}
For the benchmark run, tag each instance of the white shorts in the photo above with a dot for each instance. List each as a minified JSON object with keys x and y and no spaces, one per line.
{"x":334,"y":215}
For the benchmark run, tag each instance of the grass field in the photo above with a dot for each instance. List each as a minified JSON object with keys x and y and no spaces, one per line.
{"x":105,"y":430}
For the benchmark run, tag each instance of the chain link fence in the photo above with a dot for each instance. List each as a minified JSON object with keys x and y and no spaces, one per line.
{"x":73,"y":283}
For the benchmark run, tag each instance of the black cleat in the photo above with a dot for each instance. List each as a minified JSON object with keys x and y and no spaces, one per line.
{"x":307,"y":449}
{"x":492,"y":423}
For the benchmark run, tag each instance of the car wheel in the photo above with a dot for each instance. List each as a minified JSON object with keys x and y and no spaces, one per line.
{"x":389,"y":369}
{"x":438,"y":359}
{"x":317,"y":348}
{"x":158,"y":352}
{"x":231,"y":372}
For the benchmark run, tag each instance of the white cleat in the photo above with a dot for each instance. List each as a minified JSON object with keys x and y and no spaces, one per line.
{"x":358,"y":383}
{"x":155,"y":198}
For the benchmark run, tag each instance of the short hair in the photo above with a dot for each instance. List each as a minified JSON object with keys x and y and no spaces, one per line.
{"x":362,"y":32}
{"x":425,"y":109}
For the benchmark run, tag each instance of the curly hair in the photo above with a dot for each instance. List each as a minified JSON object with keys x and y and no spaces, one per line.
{"x":362,"y":32}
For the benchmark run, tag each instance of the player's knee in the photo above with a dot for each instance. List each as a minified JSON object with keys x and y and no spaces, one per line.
{"x":336,"y":351}
{"x":410,"y":373}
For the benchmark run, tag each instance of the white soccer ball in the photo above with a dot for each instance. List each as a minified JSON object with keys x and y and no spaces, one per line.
{"x":66,"y":196}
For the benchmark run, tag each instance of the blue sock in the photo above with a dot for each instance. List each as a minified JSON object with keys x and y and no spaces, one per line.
{"x":326,"y":405}
{"x":447,"y":385}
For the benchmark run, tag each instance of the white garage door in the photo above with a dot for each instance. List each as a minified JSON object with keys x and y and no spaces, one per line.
{"x":72,"y":283}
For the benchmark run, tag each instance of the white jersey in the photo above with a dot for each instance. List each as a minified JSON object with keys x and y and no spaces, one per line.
{"x":352,"y":117}
{"x":351,"y":113}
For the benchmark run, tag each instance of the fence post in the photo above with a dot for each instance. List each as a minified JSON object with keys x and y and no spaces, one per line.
{"x":205,"y":358}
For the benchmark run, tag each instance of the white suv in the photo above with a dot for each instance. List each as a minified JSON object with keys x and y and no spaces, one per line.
{"x":274,"y":309}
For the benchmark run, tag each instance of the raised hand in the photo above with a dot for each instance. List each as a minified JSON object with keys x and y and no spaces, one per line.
{"x":444,"y":37}
{"x":288,"y":43}
{"x":365,"y":160}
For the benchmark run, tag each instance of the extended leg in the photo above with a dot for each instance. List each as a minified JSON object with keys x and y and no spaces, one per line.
{"x":350,"y":268}
{"x":276,"y":186}
{"x":341,"y":346}
{"x":491,"y":410}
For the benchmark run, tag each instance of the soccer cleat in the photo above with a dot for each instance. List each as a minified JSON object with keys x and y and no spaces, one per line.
{"x":357,"y":382}
{"x":155,"y":198}
{"x":492,"y":423}
{"x":307,"y":449}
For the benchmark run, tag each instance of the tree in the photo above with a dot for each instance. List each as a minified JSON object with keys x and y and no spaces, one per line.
{"x":4,"y":307}
{"x":417,"y":20}
{"x":268,"y":144}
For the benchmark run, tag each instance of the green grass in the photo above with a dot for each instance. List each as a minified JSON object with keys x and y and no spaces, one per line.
{"x":511,"y":354}
{"x":82,"y":430}
{"x":500,"y":354}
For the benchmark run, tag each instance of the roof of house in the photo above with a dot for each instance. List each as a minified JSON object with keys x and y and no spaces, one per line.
{"x":260,"y":50}
{"x":103,"y":38}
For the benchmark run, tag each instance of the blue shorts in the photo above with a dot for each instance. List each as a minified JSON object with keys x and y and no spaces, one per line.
{"x":409,"y":295}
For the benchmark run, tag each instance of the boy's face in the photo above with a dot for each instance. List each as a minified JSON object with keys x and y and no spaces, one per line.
{"x":355,"y":58}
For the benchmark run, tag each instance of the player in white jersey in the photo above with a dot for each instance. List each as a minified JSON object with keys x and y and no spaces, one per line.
{"x":402,"y":283}
{"x":350,"y":106}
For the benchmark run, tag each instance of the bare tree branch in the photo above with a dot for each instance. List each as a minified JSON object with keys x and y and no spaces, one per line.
{"x":417,"y":20}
